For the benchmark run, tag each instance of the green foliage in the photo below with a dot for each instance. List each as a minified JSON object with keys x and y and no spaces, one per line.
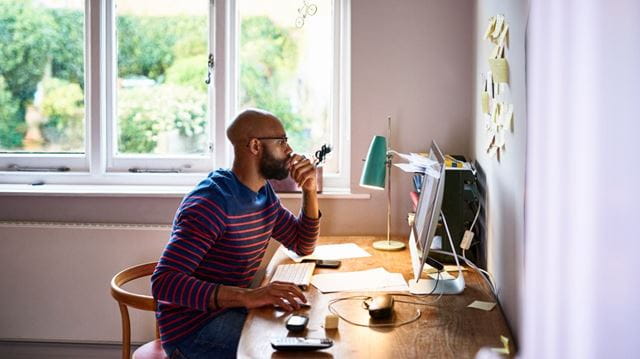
{"x":67,"y":52}
{"x":189,"y":72}
{"x":11,"y":129}
{"x":144,"y":113}
{"x":63,"y":106}
{"x":147,"y":46}
{"x":269,"y":55}
{"x":25,"y":35}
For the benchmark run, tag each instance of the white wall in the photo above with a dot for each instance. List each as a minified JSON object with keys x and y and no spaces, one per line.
{"x":411,"y":59}
{"x":503,"y":180}
{"x":583,"y":282}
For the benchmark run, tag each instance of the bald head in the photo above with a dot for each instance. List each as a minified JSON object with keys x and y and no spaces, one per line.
{"x":253,"y":123}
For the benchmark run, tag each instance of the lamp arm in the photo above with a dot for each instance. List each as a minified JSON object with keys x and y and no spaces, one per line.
{"x":392,"y":152}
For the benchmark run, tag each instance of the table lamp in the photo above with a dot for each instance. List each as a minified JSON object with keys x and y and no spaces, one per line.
{"x":377,"y":168}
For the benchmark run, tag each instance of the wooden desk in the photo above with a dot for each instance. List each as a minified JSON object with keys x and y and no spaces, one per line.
{"x":447,"y":330}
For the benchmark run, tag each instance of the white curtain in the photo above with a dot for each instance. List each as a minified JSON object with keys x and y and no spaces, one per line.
{"x":582,"y":282}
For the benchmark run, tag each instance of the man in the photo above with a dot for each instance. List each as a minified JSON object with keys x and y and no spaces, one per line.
{"x":219,"y":236}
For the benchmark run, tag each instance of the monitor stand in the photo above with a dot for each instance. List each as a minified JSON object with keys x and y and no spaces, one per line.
{"x":432,"y":286}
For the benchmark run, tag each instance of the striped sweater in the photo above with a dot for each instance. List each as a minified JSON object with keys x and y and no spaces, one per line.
{"x":220,"y":234}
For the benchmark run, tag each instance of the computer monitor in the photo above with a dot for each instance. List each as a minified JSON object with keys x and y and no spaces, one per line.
{"x":428,"y":212}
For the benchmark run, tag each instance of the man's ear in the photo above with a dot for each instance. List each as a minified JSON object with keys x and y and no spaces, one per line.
{"x":254,"y":146}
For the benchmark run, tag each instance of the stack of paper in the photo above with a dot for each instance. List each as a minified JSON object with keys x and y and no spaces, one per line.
{"x":418,"y":163}
{"x":371,"y":280}
{"x":331,"y":252}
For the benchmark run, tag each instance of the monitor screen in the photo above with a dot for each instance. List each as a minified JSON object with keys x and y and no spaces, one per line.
{"x":428,"y":209}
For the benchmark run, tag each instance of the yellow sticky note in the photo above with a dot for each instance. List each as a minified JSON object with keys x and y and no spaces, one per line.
{"x":492,"y":23}
{"x":500,"y":70}
{"x":505,"y":346}
{"x":478,"y":304}
{"x":484,"y":101}
{"x":503,"y":35}
{"x":497,"y":29}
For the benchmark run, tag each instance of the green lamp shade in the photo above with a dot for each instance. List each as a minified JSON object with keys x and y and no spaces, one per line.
{"x":374,"y":171}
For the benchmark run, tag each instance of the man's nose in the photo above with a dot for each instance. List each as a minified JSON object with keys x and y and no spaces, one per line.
{"x":288,"y":150}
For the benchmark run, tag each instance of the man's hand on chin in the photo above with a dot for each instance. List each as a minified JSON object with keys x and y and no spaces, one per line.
{"x":303,"y":172}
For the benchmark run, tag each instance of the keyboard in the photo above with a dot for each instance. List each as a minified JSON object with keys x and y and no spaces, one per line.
{"x":298,"y":273}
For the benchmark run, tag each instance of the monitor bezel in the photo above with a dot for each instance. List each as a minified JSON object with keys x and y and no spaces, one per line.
{"x":431,"y":223}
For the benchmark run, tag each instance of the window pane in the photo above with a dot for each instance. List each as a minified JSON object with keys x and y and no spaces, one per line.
{"x":286,"y":66}
{"x":42,"y":76}
{"x":162,"y":65}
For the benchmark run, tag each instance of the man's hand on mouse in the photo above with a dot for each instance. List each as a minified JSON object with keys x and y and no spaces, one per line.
{"x":277,"y":294}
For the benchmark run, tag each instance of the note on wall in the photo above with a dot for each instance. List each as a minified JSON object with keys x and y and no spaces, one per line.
{"x":497,"y":113}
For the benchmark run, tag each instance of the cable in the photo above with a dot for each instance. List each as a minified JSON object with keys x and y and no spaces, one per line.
{"x":394,"y":325}
{"x":475,"y":218}
{"x":490,"y":281}
{"x":364,"y":298}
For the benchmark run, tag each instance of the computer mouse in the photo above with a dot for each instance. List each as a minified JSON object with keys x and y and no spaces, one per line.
{"x":381,"y":306}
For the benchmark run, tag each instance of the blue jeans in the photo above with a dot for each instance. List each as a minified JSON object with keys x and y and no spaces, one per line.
{"x":217,"y":339}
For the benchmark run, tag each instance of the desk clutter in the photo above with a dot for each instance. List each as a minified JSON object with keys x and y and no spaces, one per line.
{"x":354,"y":317}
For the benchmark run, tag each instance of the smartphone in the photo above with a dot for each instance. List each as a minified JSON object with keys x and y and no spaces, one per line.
{"x":324,"y":263}
{"x":297,"y":322}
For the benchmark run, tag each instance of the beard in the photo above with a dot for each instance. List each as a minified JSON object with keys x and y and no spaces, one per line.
{"x":273,"y":168}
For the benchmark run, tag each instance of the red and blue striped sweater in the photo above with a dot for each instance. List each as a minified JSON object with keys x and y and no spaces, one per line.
{"x":220,"y":234}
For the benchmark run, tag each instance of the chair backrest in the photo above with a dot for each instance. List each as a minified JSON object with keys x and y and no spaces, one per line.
{"x":127,"y":299}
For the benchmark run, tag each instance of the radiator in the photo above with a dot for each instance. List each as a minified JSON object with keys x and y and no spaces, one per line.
{"x":54,"y":279}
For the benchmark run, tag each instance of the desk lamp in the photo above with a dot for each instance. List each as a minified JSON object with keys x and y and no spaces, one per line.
{"x":377,"y":166}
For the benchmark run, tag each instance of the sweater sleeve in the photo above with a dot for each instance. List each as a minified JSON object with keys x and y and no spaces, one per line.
{"x":197,"y":226}
{"x":298,"y":234}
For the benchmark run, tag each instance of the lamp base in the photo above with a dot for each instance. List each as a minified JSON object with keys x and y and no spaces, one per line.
{"x":388,"y":245}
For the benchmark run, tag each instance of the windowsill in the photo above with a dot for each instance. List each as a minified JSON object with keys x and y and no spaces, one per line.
{"x":65,"y":190}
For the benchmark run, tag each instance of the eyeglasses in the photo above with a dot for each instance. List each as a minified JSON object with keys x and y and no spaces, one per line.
{"x":282,"y":140}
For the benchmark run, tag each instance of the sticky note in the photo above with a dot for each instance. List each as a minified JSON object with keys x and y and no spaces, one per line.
{"x":498,"y":26}
{"x":505,"y":346}
{"x":500,"y":142}
{"x":507,"y":118}
{"x":478,"y":304}
{"x":492,"y":23}
{"x":500,"y":69}
{"x":484,"y":101}
{"x":503,"y":35}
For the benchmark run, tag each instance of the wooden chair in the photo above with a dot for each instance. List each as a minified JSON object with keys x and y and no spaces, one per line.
{"x":143,"y":302}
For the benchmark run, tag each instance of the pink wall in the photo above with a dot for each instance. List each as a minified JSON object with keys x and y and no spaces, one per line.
{"x":411,"y":60}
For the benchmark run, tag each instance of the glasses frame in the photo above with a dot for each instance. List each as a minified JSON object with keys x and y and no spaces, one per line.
{"x":281,"y":138}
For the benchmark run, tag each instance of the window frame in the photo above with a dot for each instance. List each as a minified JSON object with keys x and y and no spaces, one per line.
{"x":96,"y":166}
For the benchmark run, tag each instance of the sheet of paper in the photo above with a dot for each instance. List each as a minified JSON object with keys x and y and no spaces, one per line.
{"x":417,"y":159}
{"x":331,"y":251}
{"x":413,"y":168}
{"x":447,"y":268}
{"x":478,"y":304}
{"x":409,"y":167}
{"x":443,"y":275}
{"x":377,"y":279}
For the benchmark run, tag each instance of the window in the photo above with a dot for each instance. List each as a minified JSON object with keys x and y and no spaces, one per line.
{"x":142,"y":106}
{"x":42,"y":82}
